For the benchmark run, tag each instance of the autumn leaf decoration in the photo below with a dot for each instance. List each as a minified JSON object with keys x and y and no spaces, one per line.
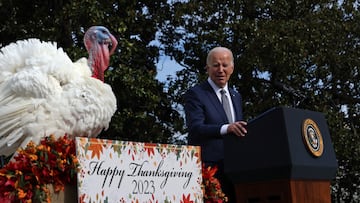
{"x":186,"y":199}
{"x":149,"y":147}
{"x":96,"y":146}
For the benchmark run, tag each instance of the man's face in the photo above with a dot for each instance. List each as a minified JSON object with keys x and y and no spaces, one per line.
{"x":220,"y":67}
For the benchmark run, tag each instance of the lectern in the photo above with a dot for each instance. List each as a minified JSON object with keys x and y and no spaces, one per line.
{"x":286,"y":157}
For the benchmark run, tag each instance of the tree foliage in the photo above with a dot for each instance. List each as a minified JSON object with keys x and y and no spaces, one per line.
{"x":303,"y":54}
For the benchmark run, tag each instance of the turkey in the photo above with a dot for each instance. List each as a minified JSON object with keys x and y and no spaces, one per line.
{"x":42,"y":92}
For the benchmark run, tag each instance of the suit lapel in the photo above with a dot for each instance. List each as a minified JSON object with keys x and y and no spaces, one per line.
{"x":235,"y":101}
{"x":210,"y":93}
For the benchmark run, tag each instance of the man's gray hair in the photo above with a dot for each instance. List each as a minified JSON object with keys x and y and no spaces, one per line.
{"x":219,"y":49}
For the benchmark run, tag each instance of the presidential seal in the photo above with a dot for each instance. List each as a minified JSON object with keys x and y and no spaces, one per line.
{"x":312,"y":137}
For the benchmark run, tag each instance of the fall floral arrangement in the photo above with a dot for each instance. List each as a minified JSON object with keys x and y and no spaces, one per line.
{"x":52,"y":162}
{"x":212,"y":186}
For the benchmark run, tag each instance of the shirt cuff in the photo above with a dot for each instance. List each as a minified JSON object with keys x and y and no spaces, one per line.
{"x":223,"y":129}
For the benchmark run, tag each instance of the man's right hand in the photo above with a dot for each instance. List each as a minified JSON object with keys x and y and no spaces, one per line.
{"x":238,"y":128}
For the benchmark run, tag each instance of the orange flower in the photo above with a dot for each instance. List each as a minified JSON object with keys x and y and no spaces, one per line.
{"x":209,"y":172}
{"x":59,"y":187}
{"x":33,"y":157}
{"x":21,"y":194}
{"x":17,"y":172}
{"x":211,"y":186}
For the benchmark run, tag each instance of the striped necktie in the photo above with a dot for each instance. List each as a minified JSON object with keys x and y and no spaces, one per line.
{"x":226,"y":105}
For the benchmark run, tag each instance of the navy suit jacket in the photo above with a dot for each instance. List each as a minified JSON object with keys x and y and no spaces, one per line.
{"x":204,"y":118}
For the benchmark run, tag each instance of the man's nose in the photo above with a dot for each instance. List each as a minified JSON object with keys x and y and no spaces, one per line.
{"x":221,"y":69}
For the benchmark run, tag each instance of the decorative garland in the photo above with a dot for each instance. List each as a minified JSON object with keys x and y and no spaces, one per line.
{"x":53,"y":162}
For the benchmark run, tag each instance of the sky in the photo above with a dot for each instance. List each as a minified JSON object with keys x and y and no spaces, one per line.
{"x":166,"y":67}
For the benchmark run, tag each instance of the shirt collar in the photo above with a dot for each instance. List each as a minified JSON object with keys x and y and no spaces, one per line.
{"x":216,"y":88}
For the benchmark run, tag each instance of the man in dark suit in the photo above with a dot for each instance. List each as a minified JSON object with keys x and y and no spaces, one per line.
{"x":206,"y":118}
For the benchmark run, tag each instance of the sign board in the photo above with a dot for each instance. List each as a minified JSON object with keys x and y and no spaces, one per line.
{"x":118,"y":171}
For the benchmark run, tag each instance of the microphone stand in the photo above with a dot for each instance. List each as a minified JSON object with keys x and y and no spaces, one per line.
{"x":295,"y":93}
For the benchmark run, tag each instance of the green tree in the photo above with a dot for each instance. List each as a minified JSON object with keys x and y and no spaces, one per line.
{"x":309,"y":46}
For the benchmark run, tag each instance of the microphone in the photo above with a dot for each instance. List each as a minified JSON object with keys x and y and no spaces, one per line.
{"x":295,"y":93}
{"x":289,"y":90}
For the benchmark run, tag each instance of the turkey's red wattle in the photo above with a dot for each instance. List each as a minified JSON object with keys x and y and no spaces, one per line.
{"x":100,"y":57}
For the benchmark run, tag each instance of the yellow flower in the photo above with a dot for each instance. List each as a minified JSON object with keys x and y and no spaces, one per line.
{"x":21,"y":194}
{"x":40,"y":147}
{"x":33,"y":157}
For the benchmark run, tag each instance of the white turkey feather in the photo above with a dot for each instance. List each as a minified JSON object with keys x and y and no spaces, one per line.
{"x":42,"y":92}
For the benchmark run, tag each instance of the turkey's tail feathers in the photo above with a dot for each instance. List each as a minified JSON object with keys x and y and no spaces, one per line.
{"x":12,"y":117}
{"x":11,"y":133}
